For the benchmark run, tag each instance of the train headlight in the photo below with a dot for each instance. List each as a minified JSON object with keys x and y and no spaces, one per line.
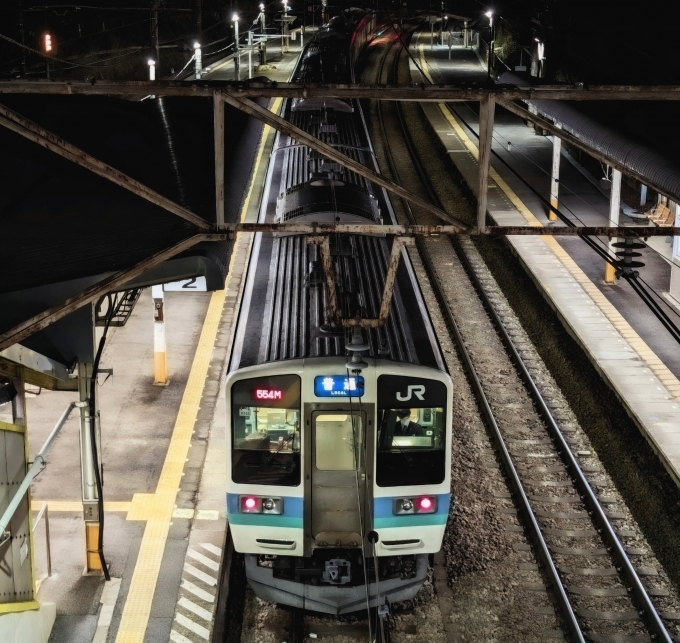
{"x":250,"y":505}
{"x":426,"y":505}
{"x":419,"y":505}
{"x":260,"y":505}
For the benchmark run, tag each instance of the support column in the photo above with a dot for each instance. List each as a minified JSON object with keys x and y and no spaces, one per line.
{"x":555,"y":178}
{"x":160,"y":360}
{"x":643,"y":194}
{"x":614,"y":208}
{"x":675,"y":268}
{"x":487,"y":108}
{"x":88,"y":480}
{"x":218,"y":134}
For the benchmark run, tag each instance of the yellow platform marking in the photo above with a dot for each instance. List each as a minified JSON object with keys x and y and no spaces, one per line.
{"x":646,"y":354}
{"x":158,"y":508}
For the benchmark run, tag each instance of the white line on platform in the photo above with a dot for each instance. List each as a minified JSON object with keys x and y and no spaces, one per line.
{"x":197,"y":591}
{"x":208,"y":562}
{"x":196,"y":609}
{"x":176,"y":637}
{"x":206,"y":578}
{"x":212,"y":549}
{"x":197,"y":629}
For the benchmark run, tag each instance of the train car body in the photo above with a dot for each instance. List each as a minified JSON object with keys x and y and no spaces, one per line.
{"x":339,"y":477}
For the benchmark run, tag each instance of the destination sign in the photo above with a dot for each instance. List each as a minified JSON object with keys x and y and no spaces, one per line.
{"x":338,"y":386}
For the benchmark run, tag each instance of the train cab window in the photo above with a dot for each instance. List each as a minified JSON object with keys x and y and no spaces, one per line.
{"x":266,"y":430}
{"x":411,"y":446}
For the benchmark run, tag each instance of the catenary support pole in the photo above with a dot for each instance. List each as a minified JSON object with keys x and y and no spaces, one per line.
{"x":643,"y":194}
{"x":487,"y":108}
{"x":614,"y":207}
{"x":218,"y":131}
{"x":160,"y":355}
{"x":88,"y":481}
{"x":555,"y":177}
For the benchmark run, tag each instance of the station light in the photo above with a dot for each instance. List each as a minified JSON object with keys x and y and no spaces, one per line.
{"x":261,"y":7}
{"x":47,"y":40}
{"x":152,"y":69}
{"x":489,"y":14}
{"x":234,"y":18}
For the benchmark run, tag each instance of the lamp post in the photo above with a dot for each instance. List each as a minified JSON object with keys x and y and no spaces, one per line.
{"x":198,"y":60}
{"x":489,"y":15}
{"x":48,"y":50}
{"x":237,"y":52}
{"x":285,"y":40}
{"x":152,"y":69}
{"x":262,"y":19}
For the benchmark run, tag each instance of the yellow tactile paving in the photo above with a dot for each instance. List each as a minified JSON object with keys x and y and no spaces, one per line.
{"x":158,"y":508}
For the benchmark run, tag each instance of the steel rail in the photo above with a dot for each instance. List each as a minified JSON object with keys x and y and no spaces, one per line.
{"x":586,"y":492}
{"x":588,"y":496}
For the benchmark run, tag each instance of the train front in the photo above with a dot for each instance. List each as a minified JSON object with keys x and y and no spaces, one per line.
{"x":339,"y":483}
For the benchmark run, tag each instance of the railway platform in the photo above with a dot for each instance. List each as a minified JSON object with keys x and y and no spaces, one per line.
{"x":624,"y":340}
{"x":163,"y":453}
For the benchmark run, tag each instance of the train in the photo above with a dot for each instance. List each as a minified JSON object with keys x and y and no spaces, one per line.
{"x":339,"y":433}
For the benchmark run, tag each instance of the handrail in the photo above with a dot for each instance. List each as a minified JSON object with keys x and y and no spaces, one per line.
{"x":37,"y":466}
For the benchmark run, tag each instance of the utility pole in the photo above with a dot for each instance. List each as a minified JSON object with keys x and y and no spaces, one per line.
{"x":154,"y":33}
{"x":22,"y":64}
{"x":199,"y":16}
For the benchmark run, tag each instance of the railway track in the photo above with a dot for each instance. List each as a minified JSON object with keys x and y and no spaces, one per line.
{"x":593,"y":580}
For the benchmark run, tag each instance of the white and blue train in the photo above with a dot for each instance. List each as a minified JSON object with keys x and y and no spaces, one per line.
{"x":339,"y":476}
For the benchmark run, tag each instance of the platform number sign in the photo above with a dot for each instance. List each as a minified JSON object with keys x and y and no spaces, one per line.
{"x":195,"y":284}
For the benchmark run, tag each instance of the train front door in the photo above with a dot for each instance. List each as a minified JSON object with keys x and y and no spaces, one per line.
{"x":338,"y":478}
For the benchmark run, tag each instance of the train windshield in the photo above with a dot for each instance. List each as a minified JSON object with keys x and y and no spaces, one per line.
{"x":411,"y":431}
{"x":411,"y":445}
{"x":266,"y":430}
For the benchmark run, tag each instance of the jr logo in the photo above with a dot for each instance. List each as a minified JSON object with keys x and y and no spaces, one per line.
{"x":417,"y":390}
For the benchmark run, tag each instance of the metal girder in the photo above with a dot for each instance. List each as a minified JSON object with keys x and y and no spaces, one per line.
{"x":33,"y":132}
{"x":275,"y":121}
{"x":91,"y":294}
{"x":436,"y":93}
{"x":329,"y":273}
{"x":230,"y":229}
{"x":558,"y":131}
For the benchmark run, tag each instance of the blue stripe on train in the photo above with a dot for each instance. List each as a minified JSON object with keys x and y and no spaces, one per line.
{"x":384,"y":517}
{"x":291,"y":517}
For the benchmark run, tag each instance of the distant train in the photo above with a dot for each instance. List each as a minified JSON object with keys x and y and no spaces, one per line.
{"x":336,"y":439}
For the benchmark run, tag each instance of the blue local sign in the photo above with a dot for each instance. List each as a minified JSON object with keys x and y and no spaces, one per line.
{"x":338,"y":386}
